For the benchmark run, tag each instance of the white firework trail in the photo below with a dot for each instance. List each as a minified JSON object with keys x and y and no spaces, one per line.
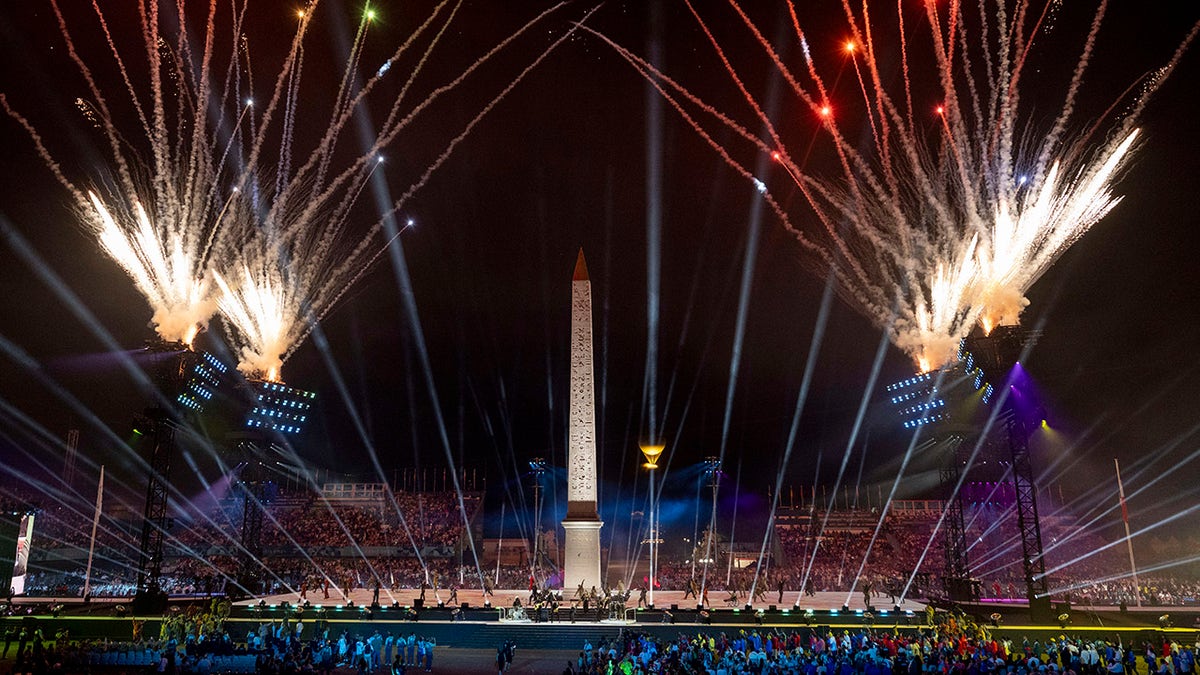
{"x":156,"y":208}
{"x":944,"y":219}
{"x":294,"y":258}
{"x":213,"y":205}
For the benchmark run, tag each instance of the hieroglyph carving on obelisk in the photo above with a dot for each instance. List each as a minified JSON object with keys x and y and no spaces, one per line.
{"x":581,"y":564}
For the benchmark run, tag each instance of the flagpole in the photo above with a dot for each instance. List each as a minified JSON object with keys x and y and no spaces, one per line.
{"x":1137,"y":588}
{"x":87,"y":575}
{"x":500,"y":544}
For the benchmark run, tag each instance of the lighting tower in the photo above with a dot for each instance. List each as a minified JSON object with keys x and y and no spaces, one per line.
{"x":999,"y":352}
{"x":712,"y":474}
{"x":275,"y":413}
{"x":956,"y":575}
{"x":186,"y":381}
{"x":944,"y":401}
{"x":537,"y":468}
{"x":652,"y":453}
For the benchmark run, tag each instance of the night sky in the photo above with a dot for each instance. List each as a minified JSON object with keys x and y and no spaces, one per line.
{"x":561,"y":164}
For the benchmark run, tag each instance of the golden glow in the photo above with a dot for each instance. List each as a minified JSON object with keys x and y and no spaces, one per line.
{"x":934,"y":232}
{"x":652,"y":453}
{"x":163,"y":262}
{"x":922,"y":365}
{"x":1033,"y":225}
{"x":300,"y":13}
{"x":267,"y":314}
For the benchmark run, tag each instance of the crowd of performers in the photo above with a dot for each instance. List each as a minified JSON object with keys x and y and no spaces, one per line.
{"x":586,"y":604}
{"x":611,"y":602}
{"x":198,"y":640}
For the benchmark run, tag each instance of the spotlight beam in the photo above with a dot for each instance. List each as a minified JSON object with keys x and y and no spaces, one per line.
{"x":1149,"y":528}
{"x":868,"y":393}
{"x":814,"y":348}
{"x":344,"y":392}
{"x":654,"y":189}
{"x":409,"y":307}
{"x":65,"y":295}
{"x":1157,"y":476}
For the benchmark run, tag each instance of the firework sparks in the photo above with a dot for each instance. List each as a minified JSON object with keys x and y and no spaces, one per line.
{"x":264,"y":312}
{"x":155,"y":208}
{"x":160,"y":267}
{"x":294,"y":257}
{"x":233,"y":216}
{"x":927,"y":226}
{"x":1028,"y":237}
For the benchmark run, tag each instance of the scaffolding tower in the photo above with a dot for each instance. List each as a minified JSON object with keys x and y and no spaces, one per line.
{"x":998,"y":353}
{"x":186,"y":381}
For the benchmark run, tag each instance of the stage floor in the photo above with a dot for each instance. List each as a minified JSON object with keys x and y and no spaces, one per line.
{"x":833,"y":600}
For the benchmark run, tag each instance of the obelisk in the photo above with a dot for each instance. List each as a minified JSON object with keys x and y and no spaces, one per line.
{"x":581,"y":564}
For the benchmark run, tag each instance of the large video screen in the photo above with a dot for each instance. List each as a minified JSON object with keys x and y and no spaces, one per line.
{"x":21,"y":561}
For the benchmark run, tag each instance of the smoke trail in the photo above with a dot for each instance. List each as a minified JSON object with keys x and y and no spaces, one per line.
{"x":868,"y":391}
{"x":950,"y":223}
{"x":814,"y":348}
{"x":284,"y":253}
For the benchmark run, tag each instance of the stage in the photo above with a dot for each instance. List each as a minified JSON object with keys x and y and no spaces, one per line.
{"x":474,"y":598}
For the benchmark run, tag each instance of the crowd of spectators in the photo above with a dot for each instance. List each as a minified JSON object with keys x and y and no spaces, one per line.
{"x":312,"y":542}
{"x":952,"y":647}
{"x":1079,"y":563}
{"x":34,"y":652}
{"x":423,"y":519}
{"x":831,"y":561}
{"x":315,"y":576}
{"x":307,"y":540}
{"x":413,"y":519}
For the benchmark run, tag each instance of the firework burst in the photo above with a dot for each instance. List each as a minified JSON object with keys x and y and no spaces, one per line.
{"x":161,"y":265}
{"x":154,"y":208}
{"x":214,"y":205}
{"x":945,"y":215}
